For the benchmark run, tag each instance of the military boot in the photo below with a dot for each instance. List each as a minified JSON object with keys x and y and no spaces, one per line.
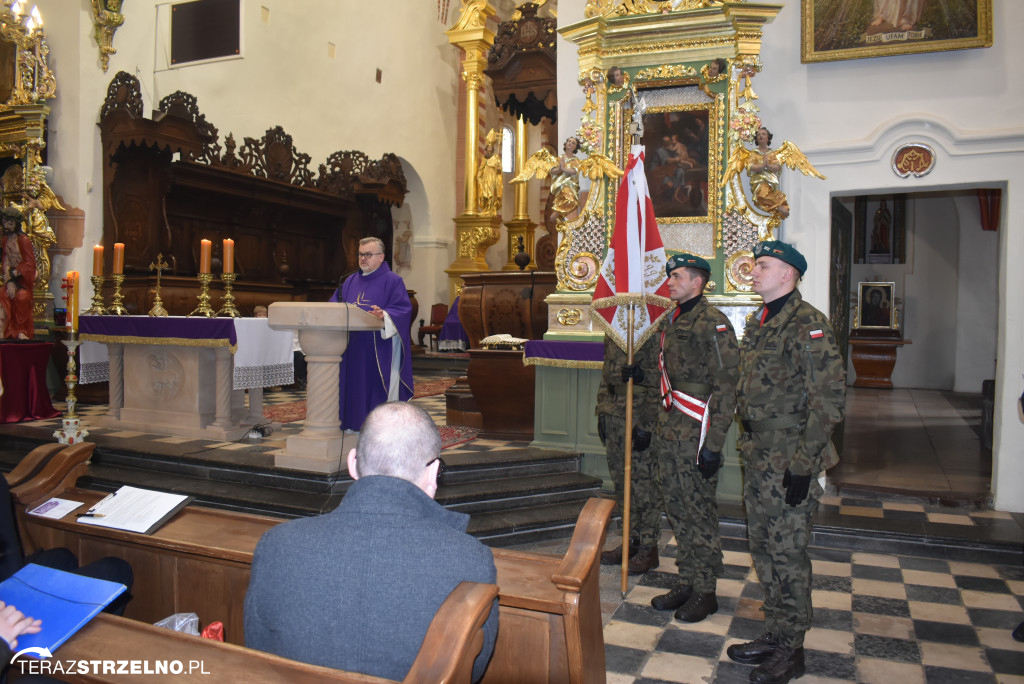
{"x":673,"y":599}
{"x":754,"y":652}
{"x":614,"y":556}
{"x":645,"y":558}
{"x":698,"y":607}
{"x":785,"y":664}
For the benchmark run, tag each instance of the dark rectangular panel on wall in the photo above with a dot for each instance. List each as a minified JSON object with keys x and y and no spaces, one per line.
{"x":205,"y":29}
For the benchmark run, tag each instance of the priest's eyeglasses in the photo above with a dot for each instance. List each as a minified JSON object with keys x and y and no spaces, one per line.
{"x":441,"y":467}
{"x":367,"y":255}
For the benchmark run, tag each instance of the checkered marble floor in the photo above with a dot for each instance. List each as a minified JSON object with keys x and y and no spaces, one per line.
{"x":878,"y":619}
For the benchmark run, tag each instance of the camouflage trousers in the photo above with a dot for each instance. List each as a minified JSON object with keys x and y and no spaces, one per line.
{"x":779,"y":534}
{"x":645,"y":496}
{"x":691,"y":506}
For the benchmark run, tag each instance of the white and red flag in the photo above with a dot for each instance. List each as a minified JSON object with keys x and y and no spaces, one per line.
{"x":633,"y":270}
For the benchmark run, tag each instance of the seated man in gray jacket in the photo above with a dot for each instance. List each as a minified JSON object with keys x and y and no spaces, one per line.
{"x":355,"y":589}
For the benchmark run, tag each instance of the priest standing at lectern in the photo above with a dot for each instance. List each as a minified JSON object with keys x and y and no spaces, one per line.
{"x":377,"y":365}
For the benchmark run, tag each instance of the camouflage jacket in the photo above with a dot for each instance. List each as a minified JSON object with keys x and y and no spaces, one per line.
{"x":611,"y":395}
{"x":791,"y":372}
{"x":700,"y":349}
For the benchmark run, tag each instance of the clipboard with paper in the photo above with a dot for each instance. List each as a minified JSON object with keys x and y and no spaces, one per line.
{"x":135,"y":510}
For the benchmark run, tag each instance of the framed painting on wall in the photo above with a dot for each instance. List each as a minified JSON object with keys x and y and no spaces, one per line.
{"x":875,"y":306}
{"x":852,"y":29}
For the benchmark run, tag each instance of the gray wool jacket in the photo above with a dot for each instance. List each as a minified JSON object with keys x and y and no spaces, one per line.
{"x":355,"y":589}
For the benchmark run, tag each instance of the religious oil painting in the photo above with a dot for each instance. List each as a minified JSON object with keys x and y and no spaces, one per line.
{"x":853,"y":29}
{"x":676,"y":161}
{"x":875,"y":305}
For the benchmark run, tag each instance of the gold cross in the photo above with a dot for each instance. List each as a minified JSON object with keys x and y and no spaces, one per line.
{"x":159,"y":267}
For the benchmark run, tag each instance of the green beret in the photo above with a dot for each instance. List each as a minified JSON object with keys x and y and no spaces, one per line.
{"x":783,"y":252}
{"x":685,"y":259}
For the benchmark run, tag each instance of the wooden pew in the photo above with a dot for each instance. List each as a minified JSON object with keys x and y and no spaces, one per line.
{"x":453,"y":641}
{"x":550,"y":610}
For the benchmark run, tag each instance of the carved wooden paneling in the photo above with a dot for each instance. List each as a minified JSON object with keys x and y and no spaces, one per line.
{"x":169,"y":183}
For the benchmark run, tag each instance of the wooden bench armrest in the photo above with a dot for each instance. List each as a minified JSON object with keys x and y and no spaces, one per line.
{"x":59,"y":472}
{"x":32,"y":463}
{"x":455,"y":636}
{"x":585,"y":545}
{"x":451,"y":645}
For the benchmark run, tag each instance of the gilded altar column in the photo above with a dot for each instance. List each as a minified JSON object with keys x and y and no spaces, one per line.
{"x":475,"y":231}
{"x":520,"y":227}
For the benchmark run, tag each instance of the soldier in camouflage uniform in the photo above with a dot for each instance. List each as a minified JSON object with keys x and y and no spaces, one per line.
{"x":645,"y":497}
{"x":700,"y":360}
{"x":791,"y":395}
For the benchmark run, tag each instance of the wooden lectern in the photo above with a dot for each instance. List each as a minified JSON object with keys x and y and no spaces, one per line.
{"x":323,"y":335}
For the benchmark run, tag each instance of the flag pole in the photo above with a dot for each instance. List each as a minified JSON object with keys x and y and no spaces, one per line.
{"x":627,"y":457}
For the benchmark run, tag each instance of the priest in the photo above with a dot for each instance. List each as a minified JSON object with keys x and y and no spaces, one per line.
{"x":377,"y":365}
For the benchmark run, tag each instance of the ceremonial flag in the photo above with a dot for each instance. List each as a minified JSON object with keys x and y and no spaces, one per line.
{"x":633,"y":270}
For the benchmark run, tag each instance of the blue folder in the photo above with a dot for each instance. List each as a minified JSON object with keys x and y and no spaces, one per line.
{"x":62,"y":600}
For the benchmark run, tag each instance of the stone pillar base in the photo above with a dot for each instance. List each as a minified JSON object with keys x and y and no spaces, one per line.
{"x":319,"y":455}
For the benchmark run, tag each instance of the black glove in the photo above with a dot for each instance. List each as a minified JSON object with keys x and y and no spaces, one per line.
{"x":631,"y":370}
{"x":796,"y":486}
{"x":708,"y":462}
{"x":641,"y":439}
{"x":602,"y":430}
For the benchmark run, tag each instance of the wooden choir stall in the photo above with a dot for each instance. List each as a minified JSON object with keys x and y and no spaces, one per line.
{"x":550,"y":611}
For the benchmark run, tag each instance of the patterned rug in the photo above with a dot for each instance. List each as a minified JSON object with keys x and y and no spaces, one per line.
{"x":296,"y":410}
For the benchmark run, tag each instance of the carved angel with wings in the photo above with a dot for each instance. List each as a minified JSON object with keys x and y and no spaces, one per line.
{"x":764,"y":165}
{"x":565,"y":170}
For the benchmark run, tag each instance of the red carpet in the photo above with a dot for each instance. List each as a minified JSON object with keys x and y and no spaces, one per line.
{"x":296,"y":410}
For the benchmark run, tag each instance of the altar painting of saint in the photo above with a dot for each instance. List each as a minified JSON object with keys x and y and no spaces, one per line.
{"x":676,"y":163}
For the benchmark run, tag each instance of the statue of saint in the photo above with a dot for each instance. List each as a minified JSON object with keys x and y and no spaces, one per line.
{"x":488,"y":177}
{"x":19,"y":277}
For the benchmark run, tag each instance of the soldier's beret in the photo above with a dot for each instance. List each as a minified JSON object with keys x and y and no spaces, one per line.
{"x":685,"y":259}
{"x":783,"y":252}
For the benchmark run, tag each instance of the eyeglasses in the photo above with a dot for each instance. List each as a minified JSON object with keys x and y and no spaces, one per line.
{"x":367,"y":255}
{"x":441,"y":467}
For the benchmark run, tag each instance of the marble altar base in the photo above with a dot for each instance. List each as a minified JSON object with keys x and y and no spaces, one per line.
{"x":174,"y":390}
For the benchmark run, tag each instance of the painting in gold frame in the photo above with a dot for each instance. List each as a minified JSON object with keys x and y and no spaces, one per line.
{"x":853,"y":29}
{"x":875,"y":306}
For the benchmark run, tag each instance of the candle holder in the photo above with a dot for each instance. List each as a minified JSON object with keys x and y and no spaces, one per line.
{"x":204,"y":296}
{"x":97,"y":308}
{"x":228,"y":305}
{"x":117,"y":307}
{"x":71,"y":431}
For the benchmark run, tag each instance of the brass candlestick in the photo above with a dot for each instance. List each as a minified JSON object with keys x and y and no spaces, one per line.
{"x":228,"y":304}
{"x":117,"y":307}
{"x":97,"y":308}
{"x":71,"y":431}
{"x":204,"y":296}
{"x":158,"y":306}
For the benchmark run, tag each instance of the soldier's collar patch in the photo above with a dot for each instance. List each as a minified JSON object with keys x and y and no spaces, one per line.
{"x":817,"y":334}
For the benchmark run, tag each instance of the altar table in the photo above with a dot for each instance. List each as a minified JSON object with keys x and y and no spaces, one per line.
{"x":186,"y":376}
{"x":23,"y":393}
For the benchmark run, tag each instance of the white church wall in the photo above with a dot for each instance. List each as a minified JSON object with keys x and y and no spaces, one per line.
{"x":929,"y":293}
{"x":977,"y":320}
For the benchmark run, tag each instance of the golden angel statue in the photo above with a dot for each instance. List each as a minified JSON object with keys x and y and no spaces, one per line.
{"x":488,"y":176}
{"x":764,"y":165}
{"x":565,"y":171}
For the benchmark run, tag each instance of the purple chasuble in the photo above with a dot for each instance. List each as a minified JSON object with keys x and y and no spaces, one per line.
{"x":365,"y":372}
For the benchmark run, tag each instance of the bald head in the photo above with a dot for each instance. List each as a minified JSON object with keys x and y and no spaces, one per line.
{"x":397,"y":439}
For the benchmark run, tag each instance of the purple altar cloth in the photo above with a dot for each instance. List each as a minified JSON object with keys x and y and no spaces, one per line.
{"x":563,"y":353}
{"x":211,"y":332}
